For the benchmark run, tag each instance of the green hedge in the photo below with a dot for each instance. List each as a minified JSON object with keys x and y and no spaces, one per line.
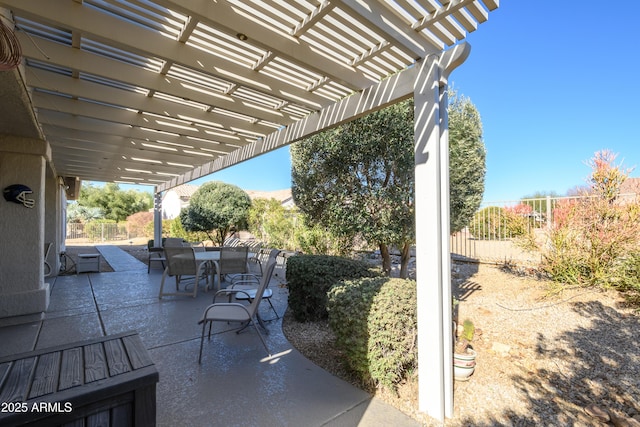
{"x":310,"y":277}
{"x":375,"y":322}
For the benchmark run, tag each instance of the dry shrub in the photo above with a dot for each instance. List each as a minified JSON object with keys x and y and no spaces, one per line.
{"x":595,"y":240}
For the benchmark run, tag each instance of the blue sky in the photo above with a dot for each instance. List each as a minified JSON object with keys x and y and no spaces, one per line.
{"x":554,"y":82}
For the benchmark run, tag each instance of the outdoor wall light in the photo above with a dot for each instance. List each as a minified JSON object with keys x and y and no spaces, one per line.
{"x":17,"y":193}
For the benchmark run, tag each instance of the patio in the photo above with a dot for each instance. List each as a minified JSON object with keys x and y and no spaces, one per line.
{"x":236,"y":384}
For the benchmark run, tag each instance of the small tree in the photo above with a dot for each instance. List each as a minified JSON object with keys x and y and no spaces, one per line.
{"x":115,"y":203}
{"x":215,"y":209}
{"x":272,"y":223}
{"x":358,"y":180}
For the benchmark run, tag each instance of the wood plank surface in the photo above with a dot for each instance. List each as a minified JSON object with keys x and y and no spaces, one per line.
{"x":101,"y":419}
{"x":117,"y":359}
{"x":138,"y":354}
{"x":95,"y":363}
{"x":4,"y":368}
{"x":14,"y":388}
{"x":45,"y":379}
{"x":71,"y":369}
{"x":82,"y":373}
{"x":122,"y":415}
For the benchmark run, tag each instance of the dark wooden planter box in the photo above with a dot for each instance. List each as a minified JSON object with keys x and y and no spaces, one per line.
{"x":105,"y":381}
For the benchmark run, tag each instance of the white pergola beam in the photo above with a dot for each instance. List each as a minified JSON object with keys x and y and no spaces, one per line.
{"x":97,"y":65}
{"x":223,"y":15}
{"x":55,"y":82}
{"x":387,"y":92}
{"x":99,"y":26}
{"x":99,"y":128}
{"x":385,"y":20}
{"x":51,"y":107}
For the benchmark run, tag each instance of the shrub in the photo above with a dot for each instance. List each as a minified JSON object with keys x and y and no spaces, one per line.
{"x":138,"y":224}
{"x":489,"y":224}
{"x":375,"y":323}
{"x":595,"y":240}
{"x":95,"y":230}
{"x":495,"y":223}
{"x":311,"y":276}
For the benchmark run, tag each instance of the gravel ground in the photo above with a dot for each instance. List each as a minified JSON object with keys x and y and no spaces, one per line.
{"x":541,"y":360}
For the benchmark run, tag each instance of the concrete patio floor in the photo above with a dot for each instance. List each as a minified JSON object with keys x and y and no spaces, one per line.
{"x":236,"y":384}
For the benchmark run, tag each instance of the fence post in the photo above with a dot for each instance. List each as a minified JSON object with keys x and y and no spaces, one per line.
{"x":549,"y":219}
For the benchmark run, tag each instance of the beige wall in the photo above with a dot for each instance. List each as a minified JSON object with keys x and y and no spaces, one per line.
{"x":23,"y":291}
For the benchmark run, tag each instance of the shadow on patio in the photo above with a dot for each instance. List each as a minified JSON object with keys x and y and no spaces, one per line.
{"x":236,"y":384}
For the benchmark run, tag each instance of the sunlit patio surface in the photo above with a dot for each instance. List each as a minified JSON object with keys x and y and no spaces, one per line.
{"x":237,"y":384}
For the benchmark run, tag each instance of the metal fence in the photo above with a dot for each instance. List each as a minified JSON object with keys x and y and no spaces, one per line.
{"x":507,"y":231}
{"x":99,"y":232}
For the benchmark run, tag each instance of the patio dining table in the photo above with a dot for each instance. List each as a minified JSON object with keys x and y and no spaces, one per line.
{"x":214,"y":257}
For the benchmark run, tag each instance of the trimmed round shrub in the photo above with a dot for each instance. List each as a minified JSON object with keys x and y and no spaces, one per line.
{"x":375,"y":322}
{"x":310,"y":277}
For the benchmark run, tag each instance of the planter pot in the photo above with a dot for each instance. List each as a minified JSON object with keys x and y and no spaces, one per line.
{"x":464,"y":364}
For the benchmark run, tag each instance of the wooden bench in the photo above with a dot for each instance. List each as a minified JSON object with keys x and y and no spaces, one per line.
{"x":105,"y":381}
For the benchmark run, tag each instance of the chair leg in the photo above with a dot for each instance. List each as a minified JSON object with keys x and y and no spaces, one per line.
{"x":164,"y":276}
{"x":264,"y":343}
{"x":204,"y":325}
{"x":273,"y":308}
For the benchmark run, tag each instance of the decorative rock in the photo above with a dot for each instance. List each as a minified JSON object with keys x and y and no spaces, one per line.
{"x":500,"y":348}
{"x":622,"y":421}
{"x":597,"y":412}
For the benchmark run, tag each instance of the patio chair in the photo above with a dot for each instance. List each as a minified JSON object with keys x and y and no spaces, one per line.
{"x":197,"y":246}
{"x":154,"y":255}
{"x":172,"y":241}
{"x":237,"y":312}
{"x":182,"y":264}
{"x":248,"y":282}
{"x":233,"y":260}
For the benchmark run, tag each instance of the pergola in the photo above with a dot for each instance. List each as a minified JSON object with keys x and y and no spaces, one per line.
{"x":167,"y":91}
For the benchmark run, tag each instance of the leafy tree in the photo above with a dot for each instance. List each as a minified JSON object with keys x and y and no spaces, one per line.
{"x":116,"y":204}
{"x":467,"y":157}
{"x":215,"y":209}
{"x":78,"y":213}
{"x":314,"y":238}
{"x":272,"y":223}
{"x":358,"y":179}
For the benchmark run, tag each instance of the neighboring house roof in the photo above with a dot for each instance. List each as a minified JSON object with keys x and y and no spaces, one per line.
{"x":283,"y":196}
{"x":175,"y":199}
{"x":185,"y":191}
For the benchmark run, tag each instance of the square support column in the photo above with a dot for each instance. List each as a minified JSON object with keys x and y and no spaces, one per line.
{"x":23,"y":293}
{"x":157,"y":220}
{"x":433,"y":259}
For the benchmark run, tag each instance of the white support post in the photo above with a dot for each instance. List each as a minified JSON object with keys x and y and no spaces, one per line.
{"x":433,"y":260}
{"x":157,"y":220}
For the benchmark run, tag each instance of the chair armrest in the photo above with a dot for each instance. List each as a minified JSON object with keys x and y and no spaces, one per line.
{"x":243,"y":278}
{"x":229,"y":292}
